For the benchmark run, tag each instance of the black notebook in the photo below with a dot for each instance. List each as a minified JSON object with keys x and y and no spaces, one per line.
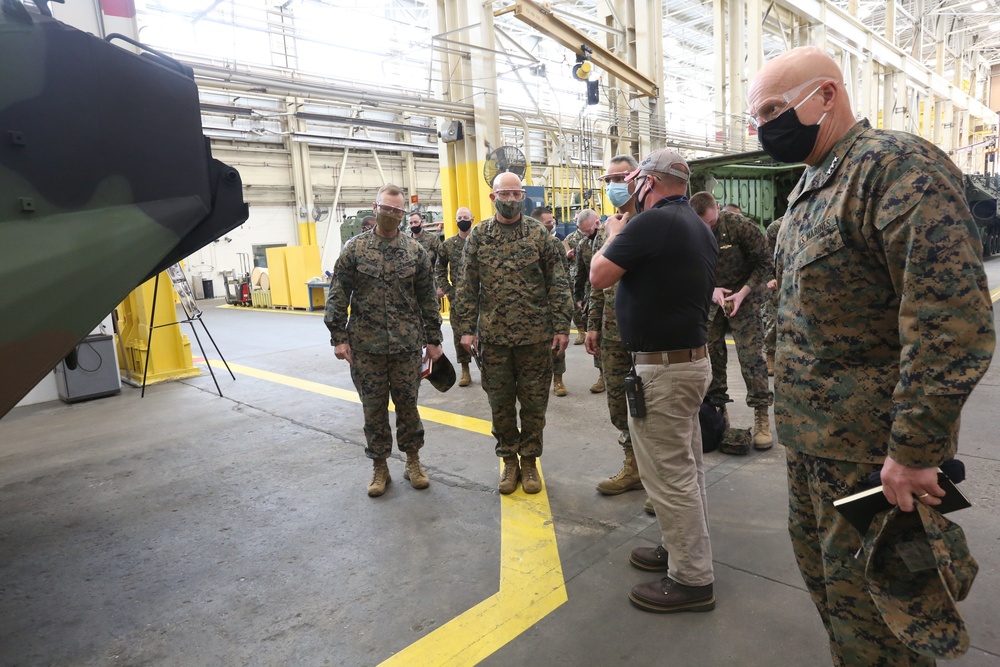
{"x":862,"y":507}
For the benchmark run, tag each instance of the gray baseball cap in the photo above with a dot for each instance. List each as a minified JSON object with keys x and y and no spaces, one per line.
{"x":662,"y":161}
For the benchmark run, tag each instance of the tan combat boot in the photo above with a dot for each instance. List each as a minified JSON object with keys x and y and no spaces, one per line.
{"x":626,"y":479}
{"x":581,"y":338}
{"x":762,"y":430}
{"x":531,"y":481}
{"x":598,"y":386}
{"x":510,"y":475}
{"x":380,"y":477}
{"x":466,"y":378}
{"x":770,"y":364}
{"x":558,"y":385}
{"x":414,"y":473}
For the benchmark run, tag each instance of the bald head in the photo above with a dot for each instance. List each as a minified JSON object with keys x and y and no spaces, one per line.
{"x":506,"y":181}
{"x":463,"y":212}
{"x":807,"y":80}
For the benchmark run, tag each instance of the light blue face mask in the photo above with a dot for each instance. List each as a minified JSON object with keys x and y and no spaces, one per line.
{"x":618,"y":194}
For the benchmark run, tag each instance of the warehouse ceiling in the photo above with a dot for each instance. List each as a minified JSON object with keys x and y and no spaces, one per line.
{"x":379,"y":43}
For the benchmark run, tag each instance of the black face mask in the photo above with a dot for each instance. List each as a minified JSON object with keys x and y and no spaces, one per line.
{"x":464,"y":225}
{"x":786,"y":139}
{"x":415,"y":229}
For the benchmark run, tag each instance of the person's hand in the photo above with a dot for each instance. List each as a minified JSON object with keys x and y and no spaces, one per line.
{"x":571,"y":253}
{"x":579,"y":305}
{"x":719,"y":296}
{"x":559,"y":343}
{"x":592,"y":343}
{"x":434,"y":352}
{"x":615,"y":223}
{"x":904,"y":486}
{"x":343,"y":351}
{"x":440,"y":293}
{"x":470,"y":341}
{"x":772,"y":284}
{"x":737,"y":299}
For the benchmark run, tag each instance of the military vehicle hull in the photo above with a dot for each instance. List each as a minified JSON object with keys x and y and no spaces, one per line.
{"x":105,"y":179}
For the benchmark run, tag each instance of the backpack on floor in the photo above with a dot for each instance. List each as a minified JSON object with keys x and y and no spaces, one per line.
{"x":713,"y":425}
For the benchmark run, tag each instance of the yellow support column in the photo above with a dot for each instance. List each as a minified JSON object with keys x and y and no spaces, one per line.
{"x":169,"y":351}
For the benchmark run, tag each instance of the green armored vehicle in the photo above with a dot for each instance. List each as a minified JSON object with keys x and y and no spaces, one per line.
{"x":105,"y":180}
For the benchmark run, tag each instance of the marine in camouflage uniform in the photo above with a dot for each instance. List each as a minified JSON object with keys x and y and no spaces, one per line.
{"x":382,"y":305}
{"x":430,"y":242}
{"x":572,"y":244}
{"x":449,"y":273}
{"x":514,"y":297}
{"x":884,"y":328}
{"x":581,"y":282}
{"x":744,"y":265}
{"x":770,"y":303}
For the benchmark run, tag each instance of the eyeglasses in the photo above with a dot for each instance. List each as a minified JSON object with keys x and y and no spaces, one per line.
{"x":510,"y":195}
{"x":615,"y":178}
{"x":390,"y":211}
{"x":773,"y":107}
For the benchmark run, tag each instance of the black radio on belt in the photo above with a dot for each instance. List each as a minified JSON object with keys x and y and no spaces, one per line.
{"x":633,"y":394}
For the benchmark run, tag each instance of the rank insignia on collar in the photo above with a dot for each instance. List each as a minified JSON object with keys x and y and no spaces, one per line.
{"x":833,"y":165}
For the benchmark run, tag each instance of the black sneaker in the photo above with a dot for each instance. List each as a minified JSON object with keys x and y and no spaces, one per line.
{"x":666,"y":596}
{"x":650,"y":559}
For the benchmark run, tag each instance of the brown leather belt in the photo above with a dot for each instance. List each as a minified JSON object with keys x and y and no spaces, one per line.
{"x":672,"y":357}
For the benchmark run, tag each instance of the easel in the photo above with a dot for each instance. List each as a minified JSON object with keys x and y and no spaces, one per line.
{"x":193,"y":314}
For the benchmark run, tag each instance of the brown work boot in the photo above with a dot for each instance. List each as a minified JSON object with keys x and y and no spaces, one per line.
{"x":648,"y":507}
{"x":762,"y":430}
{"x":581,"y":338}
{"x":380,"y":477}
{"x":510,"y":475}
{"x":414,"y":473}
{"x":666,"y":596}
{"x":650,"y":559}
{"x":466,"y":378}
{"x":558,"y":385}
{"x":531,"y":481}
{"x":627,"y":478}
{"x":770,"y":364}
{"x":598,"y":387}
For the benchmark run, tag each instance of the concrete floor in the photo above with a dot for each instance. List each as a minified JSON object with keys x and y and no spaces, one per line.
{"x":188,"y":529}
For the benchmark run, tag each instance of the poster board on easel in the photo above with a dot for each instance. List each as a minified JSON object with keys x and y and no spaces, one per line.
{"x":183,"y":289}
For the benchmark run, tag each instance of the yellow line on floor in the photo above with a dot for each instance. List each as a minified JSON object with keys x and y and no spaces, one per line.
{"x":531,"y":577}
{"x":995,"y":294}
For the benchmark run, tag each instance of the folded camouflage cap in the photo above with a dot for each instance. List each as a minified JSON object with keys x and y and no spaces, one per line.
{"x":917,"y":567}
{"x":442,"y":374}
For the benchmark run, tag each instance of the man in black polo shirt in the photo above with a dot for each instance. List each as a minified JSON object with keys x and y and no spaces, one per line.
{"x":665,"y":260}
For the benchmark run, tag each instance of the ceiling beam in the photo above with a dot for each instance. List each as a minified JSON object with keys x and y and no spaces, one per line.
{"x":546,"y":22}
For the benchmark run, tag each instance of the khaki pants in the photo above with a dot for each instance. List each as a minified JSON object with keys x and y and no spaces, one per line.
{"x":667,"y":444}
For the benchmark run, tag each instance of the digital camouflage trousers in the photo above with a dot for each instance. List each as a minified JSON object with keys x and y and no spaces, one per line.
{"x":515,"y":375}
{"x":616,"y":362}
{"x":748,"y":332}
{"x":824,"y":544}
{"x":377,"y":377}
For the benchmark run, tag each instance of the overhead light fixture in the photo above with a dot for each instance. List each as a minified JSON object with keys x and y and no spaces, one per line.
{"x":978,"y":6}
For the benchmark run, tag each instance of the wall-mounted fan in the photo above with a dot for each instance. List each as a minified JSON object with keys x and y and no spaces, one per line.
{"x":504,"y":158}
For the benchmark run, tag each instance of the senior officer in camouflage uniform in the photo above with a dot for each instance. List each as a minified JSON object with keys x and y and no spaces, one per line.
{"x":449,"y":273}
{"x":514,"y":305}
{"x":588,"y":222}
{"x":384,"y":280}
{"x":884,"y":328}
{"x":544,"y":216}
{"x":603,"y":337}
{"x":740,"y":277}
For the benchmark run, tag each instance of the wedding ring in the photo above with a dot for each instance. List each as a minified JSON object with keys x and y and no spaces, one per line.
{"x":923,"y":495}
